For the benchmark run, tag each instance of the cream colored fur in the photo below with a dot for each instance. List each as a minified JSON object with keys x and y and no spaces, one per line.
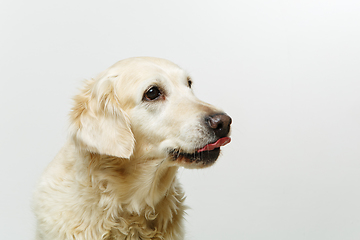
{"x":114,"y":178}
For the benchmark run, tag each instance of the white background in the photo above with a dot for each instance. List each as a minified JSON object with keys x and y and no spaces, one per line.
{"x":288,"y":72}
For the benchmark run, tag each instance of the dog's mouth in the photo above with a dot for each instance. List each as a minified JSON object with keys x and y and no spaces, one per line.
{"x":203,"y":156}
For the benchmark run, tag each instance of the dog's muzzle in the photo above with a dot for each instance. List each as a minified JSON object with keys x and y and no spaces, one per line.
{"x":219,"y":126}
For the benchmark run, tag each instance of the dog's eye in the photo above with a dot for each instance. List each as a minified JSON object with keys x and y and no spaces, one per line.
{"x":152,"y":94}
{"x":189,"y":83}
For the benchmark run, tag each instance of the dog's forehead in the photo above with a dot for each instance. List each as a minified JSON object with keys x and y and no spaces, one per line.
{"x":138,"y":69}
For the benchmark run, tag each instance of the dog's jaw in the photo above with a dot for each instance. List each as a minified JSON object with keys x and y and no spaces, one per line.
{"x":200,"y":158}
{"x":196,"y":159}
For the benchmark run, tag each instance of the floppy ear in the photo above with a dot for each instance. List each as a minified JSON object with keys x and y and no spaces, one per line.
{"x":98,"y":124}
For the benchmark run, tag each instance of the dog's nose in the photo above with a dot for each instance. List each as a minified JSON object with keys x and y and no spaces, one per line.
{"x":220,"y":124}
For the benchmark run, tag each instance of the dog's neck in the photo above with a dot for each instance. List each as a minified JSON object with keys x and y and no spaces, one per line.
{"x":133,"y":184}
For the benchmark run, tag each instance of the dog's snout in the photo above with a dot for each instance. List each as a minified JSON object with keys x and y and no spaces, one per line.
{"x":220,"y":124}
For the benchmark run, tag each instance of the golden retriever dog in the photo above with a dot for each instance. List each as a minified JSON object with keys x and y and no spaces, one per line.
{"x":131,"y":128}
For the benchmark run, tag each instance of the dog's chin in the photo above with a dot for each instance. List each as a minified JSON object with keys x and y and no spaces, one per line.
{"x":196,"y":159}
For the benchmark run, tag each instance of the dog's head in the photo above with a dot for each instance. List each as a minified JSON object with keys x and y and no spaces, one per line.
{"x":145,"y":108}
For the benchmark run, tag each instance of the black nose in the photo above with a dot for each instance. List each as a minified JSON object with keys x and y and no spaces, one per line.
{"x":220,"y":124}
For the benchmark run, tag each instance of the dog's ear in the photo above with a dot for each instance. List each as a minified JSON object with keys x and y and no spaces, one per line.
{"x":98,"y":124}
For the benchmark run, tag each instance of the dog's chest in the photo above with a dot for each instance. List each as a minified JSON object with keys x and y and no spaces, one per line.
{"x":134,"y":232}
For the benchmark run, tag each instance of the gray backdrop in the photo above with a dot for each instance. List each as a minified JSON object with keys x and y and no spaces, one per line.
{"x":286,"y":71}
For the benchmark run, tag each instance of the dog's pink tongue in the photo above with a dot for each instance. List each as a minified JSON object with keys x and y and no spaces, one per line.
{"x":219,"y":143}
